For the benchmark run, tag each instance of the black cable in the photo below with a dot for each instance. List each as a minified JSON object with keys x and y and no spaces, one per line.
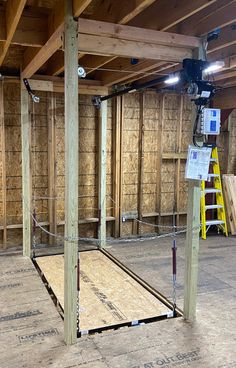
{"x":195,"y":127}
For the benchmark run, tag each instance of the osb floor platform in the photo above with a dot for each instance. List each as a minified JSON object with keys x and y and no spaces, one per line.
{"x":108,"y":295}
{"x":31,"y":331}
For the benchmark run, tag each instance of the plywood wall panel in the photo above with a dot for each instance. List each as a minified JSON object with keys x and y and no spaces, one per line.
{"x":156,"y":123}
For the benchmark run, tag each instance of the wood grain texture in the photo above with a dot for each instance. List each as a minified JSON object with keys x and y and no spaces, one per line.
{"x":108,"y":295}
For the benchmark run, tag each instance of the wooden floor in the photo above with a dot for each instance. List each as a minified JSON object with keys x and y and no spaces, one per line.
{"x":108,"y":295}
{"x":31,"y":330}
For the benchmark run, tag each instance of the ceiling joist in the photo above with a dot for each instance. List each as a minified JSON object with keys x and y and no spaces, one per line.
{"x":14,"y":9}
{"x":34,"y":60}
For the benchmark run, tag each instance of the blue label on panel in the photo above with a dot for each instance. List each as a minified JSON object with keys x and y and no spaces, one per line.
{"x":194,"y":155}
{"x":213,"y":126}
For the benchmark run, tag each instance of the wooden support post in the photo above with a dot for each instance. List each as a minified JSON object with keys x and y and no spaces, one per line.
{"x":121,"y":178}
{"x":191,"y":251}
{"x":3,"y":157}
{"x":159,"y":159}
{"x":141,"y":159}
{"x":116,"y":164}
{"x":192,"y":238}
{"x":52,"y":168}
{"x":71,"y":176}
{"x":178,"y":161}
{"x":102,"y":175}
{"x":26,"y":171}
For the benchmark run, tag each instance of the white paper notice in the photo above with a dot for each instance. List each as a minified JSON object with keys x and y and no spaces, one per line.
{"x":198,"y":161}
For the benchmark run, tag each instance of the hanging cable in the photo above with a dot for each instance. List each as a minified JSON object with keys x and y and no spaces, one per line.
{"x":197,"y":127}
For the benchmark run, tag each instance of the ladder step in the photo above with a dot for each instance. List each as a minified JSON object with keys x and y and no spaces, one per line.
{"x":213,"y":160}
{"x":212,"y":190}
{"x":213,"y":175}
{"x":213,"y":206}
{"x":214,"y":222}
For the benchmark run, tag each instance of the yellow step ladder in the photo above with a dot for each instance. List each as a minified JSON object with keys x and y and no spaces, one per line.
{"x":220,"y":221}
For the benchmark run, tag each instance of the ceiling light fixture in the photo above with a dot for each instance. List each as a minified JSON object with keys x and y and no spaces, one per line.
{"x":214,"y":67}
{"x":172,"y":79}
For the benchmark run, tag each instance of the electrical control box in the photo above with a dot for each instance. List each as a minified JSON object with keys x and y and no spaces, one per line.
{"x":210,"y":121}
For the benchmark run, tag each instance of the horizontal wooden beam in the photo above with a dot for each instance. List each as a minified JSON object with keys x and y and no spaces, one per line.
{"x":123,"y":32}
{"x":108,"y":39}
{"x":174,"y":155}
{"x":97,"y":45}
{"x":86,"y":87}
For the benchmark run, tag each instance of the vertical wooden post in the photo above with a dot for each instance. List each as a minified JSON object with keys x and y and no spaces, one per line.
{"x":102,"y":175}
{"x":121,"y":177}
{"x":4,"y":202}
{"x":159,"y":159}
{"x":26,"y":171}
{"x":51,"y":168}
{"x":191,"y":250}
{"x":192,"y":238}
{"x":141,"y":159}
{"x":71,"y":176}
{"x":116,"y":164}
{"x":178,"y":161}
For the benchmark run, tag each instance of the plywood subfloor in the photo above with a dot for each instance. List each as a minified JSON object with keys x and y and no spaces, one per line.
{"x":108,"y":295}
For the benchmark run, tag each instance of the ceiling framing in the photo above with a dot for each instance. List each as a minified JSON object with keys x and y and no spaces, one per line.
{"x":112,"y":32}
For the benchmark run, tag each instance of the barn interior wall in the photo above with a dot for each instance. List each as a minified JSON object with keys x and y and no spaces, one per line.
{"x":147,"y":141}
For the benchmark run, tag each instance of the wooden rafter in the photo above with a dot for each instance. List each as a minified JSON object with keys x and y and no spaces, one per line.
{"x":31,"y":29}
{"x":14,"y":9}
{"x":120,"y":12}
{"x":126,"y":70}
{"x":219,"y":14}
{"x":226,"y":38}
{"x":172,"y":13}
{"x":33,"y":60}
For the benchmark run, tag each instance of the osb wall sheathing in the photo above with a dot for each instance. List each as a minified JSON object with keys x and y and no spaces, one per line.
{"x":167,"y":128}
{"x":156,"y":167}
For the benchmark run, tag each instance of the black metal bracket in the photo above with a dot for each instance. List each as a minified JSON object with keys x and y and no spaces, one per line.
{"x":35,"y":98}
